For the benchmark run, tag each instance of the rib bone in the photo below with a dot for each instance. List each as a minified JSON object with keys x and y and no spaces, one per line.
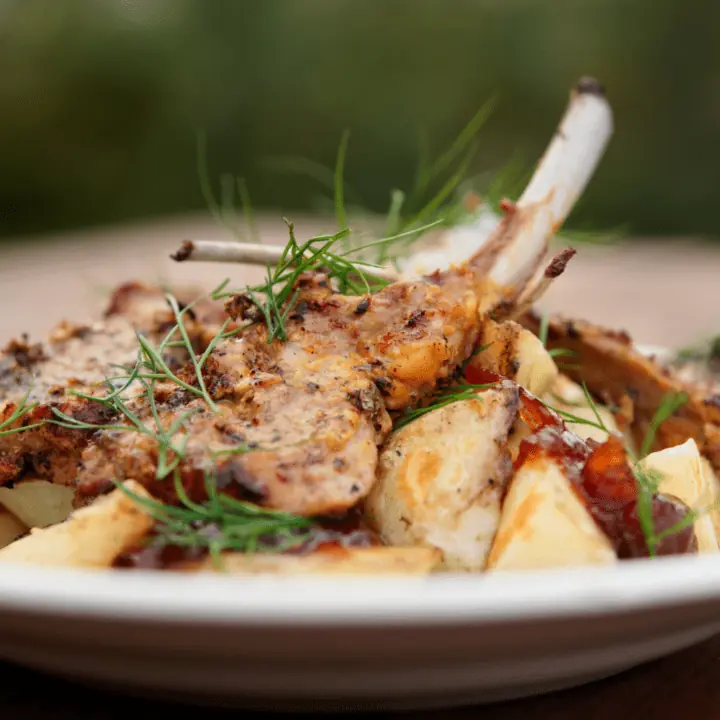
{"x":561,"y":176}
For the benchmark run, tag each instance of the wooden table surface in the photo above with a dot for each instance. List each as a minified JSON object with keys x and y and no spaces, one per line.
{"x":661,"y":293}
{"x":685,"y":685}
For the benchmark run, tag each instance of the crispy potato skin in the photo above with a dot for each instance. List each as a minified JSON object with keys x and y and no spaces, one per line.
{"x":441,"y":479}
{"x":91,"y":538}
{"x":340,"y":561}
{"x":10,"y":528}
{"x":514,"y":352}
{"x":545,"y":525}
{"x":685,"y":474}
{"x":38,"y":503}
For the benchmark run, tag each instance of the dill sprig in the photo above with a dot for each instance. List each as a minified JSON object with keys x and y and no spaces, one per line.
{"x":454,"y":393}
{"x":221,"y":523}
{"x":279,"y":291}
{"x":648,"y":481}
{"x":544,"y":328}
{"x":670,"y":404}
{"x":706,"y":353}
{"x":561,"y":352}
{"x":444,"y":206}
{"x":339,"y":183}
{"x":430,"y":202}
{"x":276,"y":297}
{"x":22,"y":409}
{"x":149,"y":369}
{"x":576,"y":419}
{"x":225,"y":211}
{"x":543,"y":337}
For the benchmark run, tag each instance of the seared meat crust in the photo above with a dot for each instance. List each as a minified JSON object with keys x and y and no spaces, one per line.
{"x":311,"y":410}
{"x":78,"y":357}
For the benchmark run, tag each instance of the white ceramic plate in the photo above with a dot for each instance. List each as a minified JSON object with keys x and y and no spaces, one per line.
{"x":358,"y":643}
{"x":355,"y":643}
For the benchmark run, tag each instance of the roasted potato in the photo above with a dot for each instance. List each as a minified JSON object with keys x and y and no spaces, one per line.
{"x":514,"y":352}
{"x":545,"y":525}
{"x":714,"y":482}
{"x":441,"y":479}
{"x":91,"y":537}
{"x":566,"y":395}
{"x":685,"y":474}
{"x":10,"y":528}
{"x":38,"y":503}
{"x":352,"y":561}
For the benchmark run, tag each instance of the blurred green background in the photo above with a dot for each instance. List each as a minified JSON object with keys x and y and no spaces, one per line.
{"x":101,"y":100}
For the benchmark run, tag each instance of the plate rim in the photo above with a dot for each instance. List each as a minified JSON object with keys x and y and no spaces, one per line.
{"x":436,"y":599}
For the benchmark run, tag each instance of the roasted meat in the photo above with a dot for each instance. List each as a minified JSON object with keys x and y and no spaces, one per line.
{"x":635,"y":385}
{"x":78,"y":357}
{"x":312,"y":410}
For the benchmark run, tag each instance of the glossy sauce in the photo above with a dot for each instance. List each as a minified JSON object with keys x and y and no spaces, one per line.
{"x":602,"y":478}
{"x":328,"y":534}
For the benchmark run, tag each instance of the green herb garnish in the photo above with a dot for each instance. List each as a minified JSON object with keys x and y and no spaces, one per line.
{"x":22,"y":409}
{"x":339,"y":183}
{"x":576,"y":419}
{"x":647,"y":488}
{"x":670,"y":404}
{"x":224,"y":211}
{"x":222,"y":523}
{"x":275,"y":299}
{"x":149,"y":369}
{"x":560,"y":352}
{"x":544,"y":327}
{"x":455,"y":393}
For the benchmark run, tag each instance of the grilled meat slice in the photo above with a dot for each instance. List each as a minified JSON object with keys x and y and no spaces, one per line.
{"x":76,"y":357}
{"x":311,"y":410}
{"x":635,"y":385}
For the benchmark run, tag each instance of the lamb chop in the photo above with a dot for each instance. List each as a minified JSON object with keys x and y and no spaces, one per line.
{"x":636,"y":385}
{"x":36,"y":377}
{"x":295,"y":424}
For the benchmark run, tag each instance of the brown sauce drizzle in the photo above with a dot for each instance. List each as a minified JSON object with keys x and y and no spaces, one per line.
{"x":599,"y":472}
{"x":332,"y":534}
{"x":602,"y":478}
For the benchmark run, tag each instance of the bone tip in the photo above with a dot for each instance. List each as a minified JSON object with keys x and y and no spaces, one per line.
{"x":589,"y":86}
{"x":184,"y":252}
{"x":559,"y":263}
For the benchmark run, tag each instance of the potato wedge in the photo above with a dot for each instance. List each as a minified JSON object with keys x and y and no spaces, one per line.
{"x":712,"y":480}
{"x":10,"y":528}
{"x":564,"y":394}
{"x":515,"y":353}
{"x":441,"y":479}
{"x":684,"y":476}
{"x":351,"y":561}
{"x":38,"y":503}
{"x":545,"y":525}
{"x":91,"y":537}
{"x":518,"y":432}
